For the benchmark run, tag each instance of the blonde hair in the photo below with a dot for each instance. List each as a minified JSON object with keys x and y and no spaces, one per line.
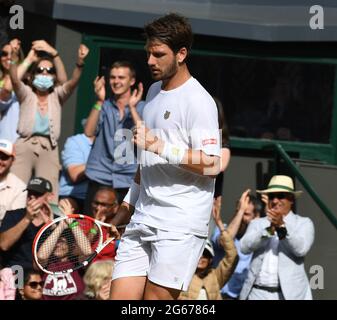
{"x":95,"y":275}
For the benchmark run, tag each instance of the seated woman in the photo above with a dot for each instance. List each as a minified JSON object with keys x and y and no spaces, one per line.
{"x":61,"y":248}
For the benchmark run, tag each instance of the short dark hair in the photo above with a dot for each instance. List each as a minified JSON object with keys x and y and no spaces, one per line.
{"x":172,"y":29}
{"x":27,"y":273}
{"x":45,"y":57}
{"x":125,"y":64}
{"x":257,"y":203}
{"x":106,"y":188}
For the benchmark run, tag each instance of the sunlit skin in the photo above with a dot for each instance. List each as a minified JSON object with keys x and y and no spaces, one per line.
{"x":121,"y":81}
{"x":61,"y":249}
{"x":248,"y":216}
{"x":104,"y":291}
{"x":37,"y":208}
{"x":28,"y":293}
{"x":203,"y":263}
{"x":40,"y":199}
{"x":104,"y":205}
{"x":5,"y":164}
{"x":161,"y":60}
{"x":279,"y":208}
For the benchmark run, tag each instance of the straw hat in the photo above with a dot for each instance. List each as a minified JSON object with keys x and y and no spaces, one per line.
{"x":281,"y":184}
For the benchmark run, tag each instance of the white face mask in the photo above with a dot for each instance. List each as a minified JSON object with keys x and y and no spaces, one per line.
{"x":43,"y":82}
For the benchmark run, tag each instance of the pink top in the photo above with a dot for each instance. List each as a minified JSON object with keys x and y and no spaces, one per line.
{"x":29,"y":107}
{"x":7,"y":284}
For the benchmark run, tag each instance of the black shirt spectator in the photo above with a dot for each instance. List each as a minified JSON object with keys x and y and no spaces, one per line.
{"x":21,"y":252}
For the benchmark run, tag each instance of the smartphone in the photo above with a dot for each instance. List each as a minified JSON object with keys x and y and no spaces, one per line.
{"x":56,"y":210}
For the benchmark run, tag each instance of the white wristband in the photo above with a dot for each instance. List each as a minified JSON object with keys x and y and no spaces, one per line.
{"x":173,"y":154}
{"x":133,"y":194}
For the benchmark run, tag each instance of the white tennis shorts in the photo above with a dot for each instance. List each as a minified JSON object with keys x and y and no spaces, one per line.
{"x":167,"y":258}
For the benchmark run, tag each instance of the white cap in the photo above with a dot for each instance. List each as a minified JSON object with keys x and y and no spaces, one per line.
{"x":209,"y":247}
{"x":6,"y":147}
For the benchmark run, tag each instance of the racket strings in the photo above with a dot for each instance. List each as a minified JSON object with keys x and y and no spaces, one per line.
{"x":66,"y":244}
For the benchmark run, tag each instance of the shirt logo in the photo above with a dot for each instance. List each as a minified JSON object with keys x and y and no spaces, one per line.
{"x":209,"y":141}
{"x":166,"y":115}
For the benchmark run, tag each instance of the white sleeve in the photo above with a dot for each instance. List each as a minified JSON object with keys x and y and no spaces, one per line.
{"x":204,"y":126}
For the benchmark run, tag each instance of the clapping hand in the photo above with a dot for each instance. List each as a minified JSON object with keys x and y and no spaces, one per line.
{"x":99,"y":85}
{"x":146,"y":140}
{"x":42,"y":45}
{"x":15,"y":48}
{"x":244,"y":201}
{"x":136,"y":96}
{"x":66,"y":207}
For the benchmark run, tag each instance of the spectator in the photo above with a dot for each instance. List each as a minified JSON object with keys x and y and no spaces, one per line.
{"x":56,"y":253}
{"x":32,"y":288}
{"x":9,"y":106}
{"x":12,"y":194}
{"x":40,"y":114}
{"x":207,"y":281}
{"x":248,"y":208}
{"x":106,"y":166}
{"x":73,"y":181}
{"x":7,"y":284}
{"x":279,"y":243}
{"x":20,"y":226}
{"x":97,"y":281}
{"x":171,"y":198}
{"x":65,"y":286}
{"x":104,"y":208}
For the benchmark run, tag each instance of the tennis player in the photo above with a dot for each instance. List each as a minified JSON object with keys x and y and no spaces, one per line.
{"x":172,"y":194}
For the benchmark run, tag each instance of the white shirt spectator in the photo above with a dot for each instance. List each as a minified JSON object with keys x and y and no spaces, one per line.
{"x":12,"y":194}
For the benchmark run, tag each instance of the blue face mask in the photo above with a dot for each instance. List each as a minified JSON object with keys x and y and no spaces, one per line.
{"x":43,"y":82}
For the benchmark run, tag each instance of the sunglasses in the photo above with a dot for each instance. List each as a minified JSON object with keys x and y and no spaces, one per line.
{"x":4,"y":53}
{"x":278,"y":195}
{"x":50,"y":70}
{"x":35,"y":284}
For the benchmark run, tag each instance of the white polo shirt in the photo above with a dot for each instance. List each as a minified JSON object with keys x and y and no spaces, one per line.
{"x":172,"y":198}
{"x":12,"y":194}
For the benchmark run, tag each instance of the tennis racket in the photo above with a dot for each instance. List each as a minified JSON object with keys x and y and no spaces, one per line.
{"x":69,"y":243}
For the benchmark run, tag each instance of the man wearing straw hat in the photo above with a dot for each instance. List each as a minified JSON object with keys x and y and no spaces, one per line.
{"x":279,"y":242}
